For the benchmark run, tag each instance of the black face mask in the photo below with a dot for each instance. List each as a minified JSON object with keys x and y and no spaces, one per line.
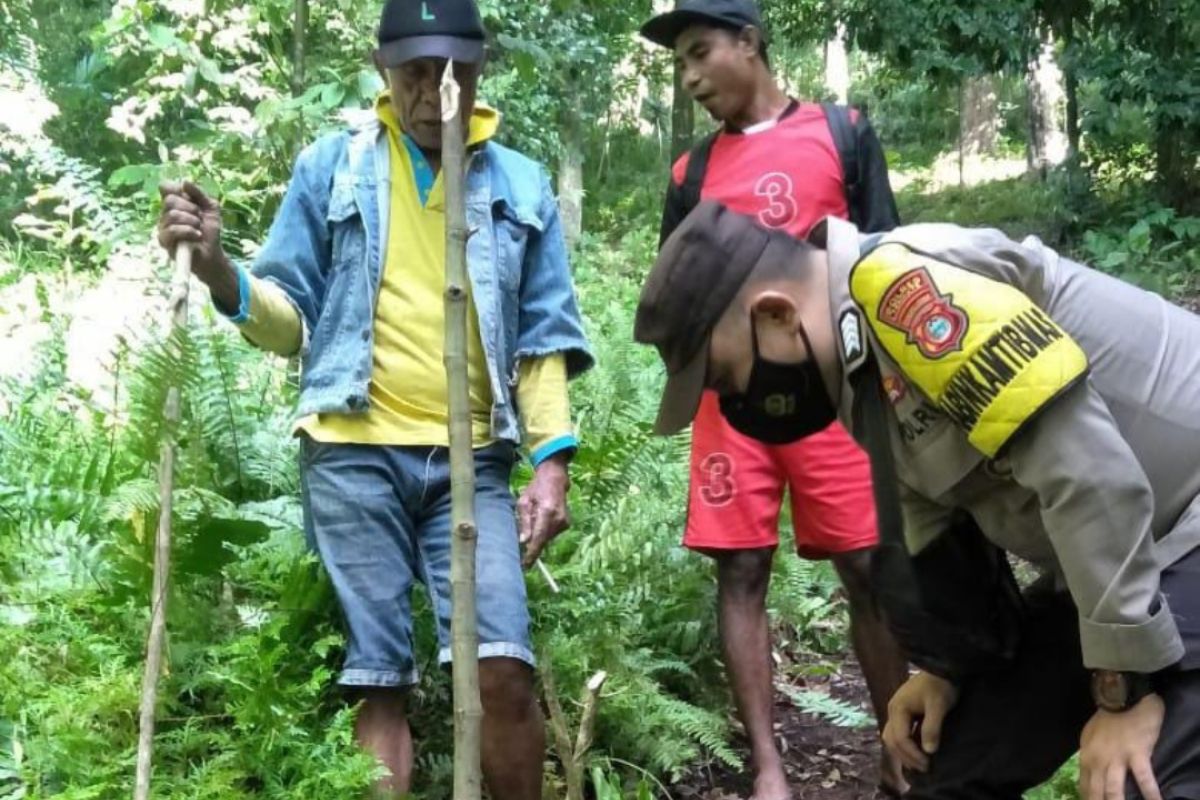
{"x":783,"y":402}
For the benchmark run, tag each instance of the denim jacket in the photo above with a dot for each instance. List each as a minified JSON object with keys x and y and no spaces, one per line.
{"x":326,"y":247}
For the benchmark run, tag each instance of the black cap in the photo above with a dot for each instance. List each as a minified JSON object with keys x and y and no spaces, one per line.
{"x":735,"y":14}
{"x":698,"y":274}
{"x":450,"y":29}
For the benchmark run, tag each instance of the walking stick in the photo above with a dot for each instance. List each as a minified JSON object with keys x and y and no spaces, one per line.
{"x":162,"y":540}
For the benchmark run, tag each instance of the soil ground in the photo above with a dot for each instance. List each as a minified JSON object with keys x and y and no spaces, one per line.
{"x":822,"y":760}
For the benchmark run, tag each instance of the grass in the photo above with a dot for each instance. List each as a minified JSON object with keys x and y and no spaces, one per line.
{"x":1018,"y":206}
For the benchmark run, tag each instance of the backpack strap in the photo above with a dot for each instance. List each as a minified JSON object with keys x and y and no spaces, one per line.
{"x":697,"y":166}
{"x":892,"y":567}
{"x":845,"y":139}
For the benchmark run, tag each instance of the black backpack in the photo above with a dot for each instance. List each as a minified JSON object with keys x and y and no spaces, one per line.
{"x":845,"y":139}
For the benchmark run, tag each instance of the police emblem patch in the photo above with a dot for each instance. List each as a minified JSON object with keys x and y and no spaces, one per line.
{"x":928,"y":319}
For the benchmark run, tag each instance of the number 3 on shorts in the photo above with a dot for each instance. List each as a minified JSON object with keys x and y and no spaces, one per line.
{"x":717,"y":487}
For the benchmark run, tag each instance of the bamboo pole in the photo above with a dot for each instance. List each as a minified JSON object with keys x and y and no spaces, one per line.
{"x":162,"y":540}
{"x":464,"y":636}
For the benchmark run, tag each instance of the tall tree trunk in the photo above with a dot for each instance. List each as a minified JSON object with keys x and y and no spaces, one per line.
{"x":1044,"y":94}
{"x":1071,"y":86}
{"x":962,"y":99}
{"x":570,"y":166}
{"x":1071,"y":90}
{"x":464,"y":634}
{"x":162,"y":541}
{"x":837,"y":66}
{"x":980,"y":116}
{"x":683,"y":118}
{"x":1176,"y":167}
{"x":683,"y":111}
{"x":299,"y":37}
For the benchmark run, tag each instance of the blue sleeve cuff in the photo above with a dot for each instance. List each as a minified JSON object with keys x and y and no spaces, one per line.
{"x":243,"y":311}
{"x":553,"y":447}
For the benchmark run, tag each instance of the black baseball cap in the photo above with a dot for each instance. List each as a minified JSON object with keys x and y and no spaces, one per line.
{"x":699,"y":272}
{"x":734,"y":14}
{"x":450,"y":29}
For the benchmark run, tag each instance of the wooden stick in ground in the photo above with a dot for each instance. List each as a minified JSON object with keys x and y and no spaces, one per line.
{"x":162,"y":540}
{"x":587,"y":722}
{"x":572,"y":757}
{"x":562,"y":738}
{"x":464,"y":635}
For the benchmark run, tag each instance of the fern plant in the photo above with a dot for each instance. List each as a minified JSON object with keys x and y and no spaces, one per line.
{"x":820,"y":704}
{"x":254,"y":639}
{"x":12,"y":787}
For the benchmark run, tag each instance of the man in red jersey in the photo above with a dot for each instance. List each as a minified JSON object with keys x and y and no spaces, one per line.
{"x":788,"y":165}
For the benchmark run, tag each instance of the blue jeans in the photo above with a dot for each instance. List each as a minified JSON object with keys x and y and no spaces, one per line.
{"x":379,"y":517}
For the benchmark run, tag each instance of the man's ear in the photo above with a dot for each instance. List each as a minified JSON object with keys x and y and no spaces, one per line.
{"x":775,"y":306}
{"x":750,"y":38}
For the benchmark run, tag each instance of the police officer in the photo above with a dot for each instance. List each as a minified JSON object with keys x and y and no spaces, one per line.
{"x":1012,"y":401}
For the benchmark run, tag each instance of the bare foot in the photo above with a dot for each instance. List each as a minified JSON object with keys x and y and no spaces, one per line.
{"x":771,"y":784}
{"x":891,"y":777}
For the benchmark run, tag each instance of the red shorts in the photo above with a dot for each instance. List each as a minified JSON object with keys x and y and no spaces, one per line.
{"x":737,"y":488}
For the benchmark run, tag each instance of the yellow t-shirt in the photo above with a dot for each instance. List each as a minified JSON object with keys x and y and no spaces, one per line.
{"x":408,"y":395}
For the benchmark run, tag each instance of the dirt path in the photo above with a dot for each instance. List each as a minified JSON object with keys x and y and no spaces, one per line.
{"x":822,"y":760}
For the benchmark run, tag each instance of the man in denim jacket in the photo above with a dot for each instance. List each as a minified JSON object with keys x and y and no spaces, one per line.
{"x":351,"y":278}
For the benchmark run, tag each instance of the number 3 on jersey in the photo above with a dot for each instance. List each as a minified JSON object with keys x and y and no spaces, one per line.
{"x":777,"y":189}
{"x":717,"y":487}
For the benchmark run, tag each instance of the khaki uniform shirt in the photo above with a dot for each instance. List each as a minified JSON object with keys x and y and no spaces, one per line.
{"x":1057,"y":405}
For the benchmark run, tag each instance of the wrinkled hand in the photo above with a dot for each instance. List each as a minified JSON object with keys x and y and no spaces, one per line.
{"x":924,"y":699}
{"x":189,"y":215}
{"x":542,"y":510}
{"x":1116,"y":744}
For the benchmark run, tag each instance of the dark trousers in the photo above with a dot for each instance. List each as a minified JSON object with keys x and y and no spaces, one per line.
{"x":1013,"y":729}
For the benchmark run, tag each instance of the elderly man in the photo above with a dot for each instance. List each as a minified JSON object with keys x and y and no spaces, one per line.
{"x":351,"y":278}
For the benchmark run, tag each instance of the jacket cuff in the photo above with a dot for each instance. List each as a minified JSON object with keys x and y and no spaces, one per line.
{"x":1147,"y":647}
{"x":243,"y":309}
{"x":553,"y":447}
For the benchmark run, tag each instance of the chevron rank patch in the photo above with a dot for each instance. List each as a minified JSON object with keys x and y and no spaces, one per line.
{"x":852,"y":343}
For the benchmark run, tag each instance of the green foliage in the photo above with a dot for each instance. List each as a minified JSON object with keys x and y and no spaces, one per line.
{"x":17,"y":28}
{"x":633,"y":602}
{"x":807,"y":605}
{"x":945,"y":39}
{"x":554,"y":67}
{"x":1144,"y":53}
{"x":207,"y":88}
{"x":620,"y":196}
{"x":1160,"y":251}
{"x":1134,"y":59}
{"x":247,"y":705}
{"x":1063,"y":786}
{"x":54,"y":204}
{"x":839,"y":712}
{"x":909,"y":111}
{"x":1141,"y":59}
{"x":1018,"y":206}
{"x":153,"y":88}
{"x":607,"y":785}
